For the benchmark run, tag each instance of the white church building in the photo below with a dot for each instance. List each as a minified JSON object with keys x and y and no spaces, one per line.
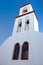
{"x":25,"y":45}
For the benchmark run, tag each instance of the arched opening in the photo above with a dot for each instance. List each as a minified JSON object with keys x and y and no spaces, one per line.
{"x":16,"y":52}
{"x":19,"y":25}
{"x":27,"y":24}
{"x":24,"y":10}
{"x":24,"y":55}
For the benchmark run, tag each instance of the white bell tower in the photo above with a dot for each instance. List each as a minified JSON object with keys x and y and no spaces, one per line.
{"x":27,"y":20}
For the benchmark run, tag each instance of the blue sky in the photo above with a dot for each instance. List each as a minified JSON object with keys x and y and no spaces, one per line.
{"x":9,"y":9}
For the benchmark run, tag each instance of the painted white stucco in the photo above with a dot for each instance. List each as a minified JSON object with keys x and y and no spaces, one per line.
{"x":32,"y":36}
{"x":35,"y":40}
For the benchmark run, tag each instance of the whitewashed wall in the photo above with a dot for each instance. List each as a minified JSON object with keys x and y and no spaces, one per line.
{"x":35,"y":40}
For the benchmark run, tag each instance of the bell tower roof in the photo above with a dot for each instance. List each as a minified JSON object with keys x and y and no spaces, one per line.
{"x":25,"y":5}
